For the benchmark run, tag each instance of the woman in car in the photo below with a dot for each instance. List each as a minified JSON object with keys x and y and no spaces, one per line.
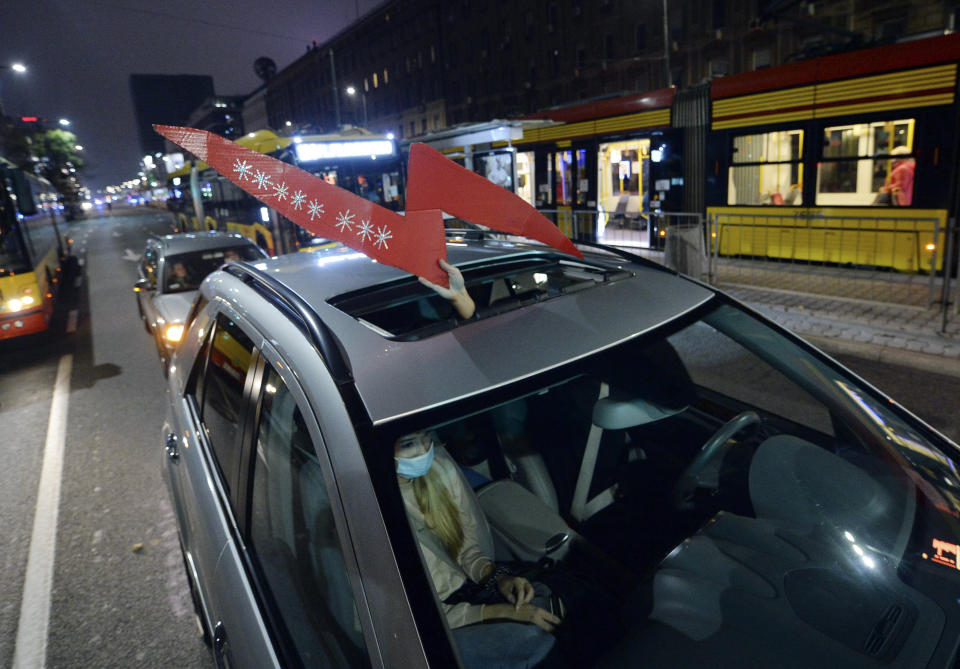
{"x":497,"y":618}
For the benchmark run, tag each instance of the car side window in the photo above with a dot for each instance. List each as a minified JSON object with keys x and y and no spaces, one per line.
{"x":149,"y":265}
{"x":293,"y":538}
{"x":222,"y":400}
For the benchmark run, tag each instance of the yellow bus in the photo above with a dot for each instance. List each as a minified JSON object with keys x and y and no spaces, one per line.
{"x":363,"y":163}
{"x":32,"y":252}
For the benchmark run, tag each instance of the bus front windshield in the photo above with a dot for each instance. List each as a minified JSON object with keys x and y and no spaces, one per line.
{"x":13,"y":255}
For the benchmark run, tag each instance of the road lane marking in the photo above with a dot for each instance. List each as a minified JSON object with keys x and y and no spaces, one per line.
{"x":72,"y":320}
{"x":30,"y":650}
{"x":130,"y":254}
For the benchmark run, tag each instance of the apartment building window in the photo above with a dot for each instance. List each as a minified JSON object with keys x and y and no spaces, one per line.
{"x":641,"y":37}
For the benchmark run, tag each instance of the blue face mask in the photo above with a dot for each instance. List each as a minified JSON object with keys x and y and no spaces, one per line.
{"x":417,"y":466}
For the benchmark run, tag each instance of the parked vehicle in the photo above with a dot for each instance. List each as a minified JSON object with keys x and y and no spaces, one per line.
{"x":746,"y":500}
{"x":171,"y":269}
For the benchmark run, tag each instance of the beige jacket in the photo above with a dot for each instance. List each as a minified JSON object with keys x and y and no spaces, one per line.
{"x":449,"y":574}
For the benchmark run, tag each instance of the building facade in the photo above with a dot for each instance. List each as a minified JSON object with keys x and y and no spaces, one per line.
{"x":416,"y":66}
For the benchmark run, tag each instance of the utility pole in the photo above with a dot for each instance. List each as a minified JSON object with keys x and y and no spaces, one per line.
{"x":336,"y":90}
{"x":666,"y":46}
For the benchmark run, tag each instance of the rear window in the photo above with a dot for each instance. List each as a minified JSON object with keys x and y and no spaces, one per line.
{"x":407,"y":310}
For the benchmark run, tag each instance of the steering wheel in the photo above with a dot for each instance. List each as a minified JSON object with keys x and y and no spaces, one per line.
{"x":704,"y":471}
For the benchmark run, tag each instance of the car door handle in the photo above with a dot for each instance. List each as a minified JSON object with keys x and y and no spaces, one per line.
{"x":173,"y":446}
{"x":220,"y":645}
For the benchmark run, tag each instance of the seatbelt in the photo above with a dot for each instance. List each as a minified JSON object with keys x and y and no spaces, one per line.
{"x":581,"y":508}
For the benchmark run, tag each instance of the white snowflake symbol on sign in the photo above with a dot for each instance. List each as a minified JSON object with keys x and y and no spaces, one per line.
{"x":366,"y":230}
{"x":298,"y":199}
{"x":262,"y":179}
{"x":316,"y":209}
{"x":345,"y":220}
{"x":280,"y":190}
{"x":242,"y":168}
{"x":383,"y":234}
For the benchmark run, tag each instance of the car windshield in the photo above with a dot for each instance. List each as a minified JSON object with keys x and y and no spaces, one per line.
{"x":733,"y":499}
{"x":186,"y":271}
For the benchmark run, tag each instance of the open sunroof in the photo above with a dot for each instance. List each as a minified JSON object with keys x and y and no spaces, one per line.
{"x":407,"y":310}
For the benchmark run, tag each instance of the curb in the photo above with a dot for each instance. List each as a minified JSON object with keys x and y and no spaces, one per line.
{"x":924,"y":362}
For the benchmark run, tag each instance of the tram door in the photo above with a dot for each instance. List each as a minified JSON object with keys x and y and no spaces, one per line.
{"x":565,"y":190}
{"x":623,"y":184}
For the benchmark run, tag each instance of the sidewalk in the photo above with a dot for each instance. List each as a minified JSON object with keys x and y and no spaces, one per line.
{"x":896,"y":334}
{"x":866,"y":314}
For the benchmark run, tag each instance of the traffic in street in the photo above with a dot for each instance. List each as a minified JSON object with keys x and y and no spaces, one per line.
{"x":81,"y":413}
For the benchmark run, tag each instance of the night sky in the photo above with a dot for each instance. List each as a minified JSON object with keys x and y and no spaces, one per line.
{"x":80,"y":54}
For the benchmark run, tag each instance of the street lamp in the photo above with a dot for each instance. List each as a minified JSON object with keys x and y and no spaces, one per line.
{"x":64,"y":122}
{"x":352,"y":92}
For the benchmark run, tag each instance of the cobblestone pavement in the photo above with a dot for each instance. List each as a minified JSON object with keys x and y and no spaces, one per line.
{"x":896,"y":333}
{"x":882,"y":316}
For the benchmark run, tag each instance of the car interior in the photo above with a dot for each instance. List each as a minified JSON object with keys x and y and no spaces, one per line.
{"x":712,"y":496}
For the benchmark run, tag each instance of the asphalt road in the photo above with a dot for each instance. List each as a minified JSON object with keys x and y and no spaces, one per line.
{"x":119,"y":596}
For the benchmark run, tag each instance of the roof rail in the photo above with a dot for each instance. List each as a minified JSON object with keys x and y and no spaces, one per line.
{"x":623,"y":253}
{"x":323,"y":338}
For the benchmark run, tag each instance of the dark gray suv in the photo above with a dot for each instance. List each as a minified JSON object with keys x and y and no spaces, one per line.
{"x":739,"y":498}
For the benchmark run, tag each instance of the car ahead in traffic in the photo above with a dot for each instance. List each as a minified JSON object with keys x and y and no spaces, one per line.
{"x":744,"y":500}
{"x":171,"y":270}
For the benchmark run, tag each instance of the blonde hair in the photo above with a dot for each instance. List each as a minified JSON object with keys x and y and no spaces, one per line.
{"x":439,"y":512}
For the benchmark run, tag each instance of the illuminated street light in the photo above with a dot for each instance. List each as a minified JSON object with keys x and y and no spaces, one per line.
{"x":352,"y":92}
{"x":64,"y":122}
{"x":78,"y":147}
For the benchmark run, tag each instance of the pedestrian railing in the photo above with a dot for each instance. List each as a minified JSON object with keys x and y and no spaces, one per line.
{"x":898,"y":260}
{"x":888,"y":259}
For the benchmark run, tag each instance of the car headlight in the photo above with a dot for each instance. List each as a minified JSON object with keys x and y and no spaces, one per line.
{"x":173,"y":333}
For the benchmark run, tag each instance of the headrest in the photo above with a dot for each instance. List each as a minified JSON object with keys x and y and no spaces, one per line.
{"x":613,"y":413}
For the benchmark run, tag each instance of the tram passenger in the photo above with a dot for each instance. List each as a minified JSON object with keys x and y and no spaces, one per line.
{"x":899,"y":184}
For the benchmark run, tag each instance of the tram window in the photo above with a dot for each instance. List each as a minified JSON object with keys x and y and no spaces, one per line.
{"x":766,"y":169}
{"x":582,"y":184}
{"x":867,"y":164}
{"x":563,"y":172}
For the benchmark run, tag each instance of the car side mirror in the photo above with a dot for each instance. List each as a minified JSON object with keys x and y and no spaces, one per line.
{"x":141,"y":285}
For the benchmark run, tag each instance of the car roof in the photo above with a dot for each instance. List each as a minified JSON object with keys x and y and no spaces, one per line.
{"x":197,"y":241}
{"x":397,"y":377}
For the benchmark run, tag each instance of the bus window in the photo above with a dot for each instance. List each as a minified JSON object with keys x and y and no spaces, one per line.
{"x":766,"y":169}
{"x":859,"y":163}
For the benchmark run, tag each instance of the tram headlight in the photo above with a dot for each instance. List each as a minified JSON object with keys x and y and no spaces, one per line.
{"x":14,"y":305}
{"x":27,"y":300}
{"x":173,"y":333}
